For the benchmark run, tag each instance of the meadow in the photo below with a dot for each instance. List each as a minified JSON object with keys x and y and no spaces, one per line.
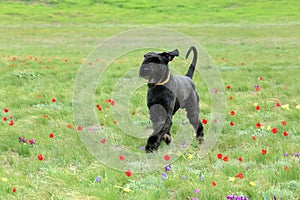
{"x":255,"y":46}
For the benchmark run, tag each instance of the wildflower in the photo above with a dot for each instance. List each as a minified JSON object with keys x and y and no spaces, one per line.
{"x":168,"y":168}
{"x":201,"y":178}
{"x":274,"y":130}
{"x":283,"y":123}
{"x":51,"y":135}
{"x":204,"y":121}
{"x":231,"y":123}
{"x":286,"y":155}
{"x":214,"y":184}
{"x":296,"y":154}
{"x":285,"y":133}
{"x":40,"y":157}
{"x":196,"y":191}
{"x":298,"y":107}
{"x":257,"y":88}
{"x":4,"y":179}
{"x":220,"y":156}
{"x":230,"y":98}
{"x":167,"y":157}
{"x":98,"y":179}
{"x":127,"y":189}
{"x":128,"y":173}
{"x":232,"y":113}
{"x":240,"y":159}
{"x":22,"y":139}
{"x":258,"y":125}
{"x":269,"y":127}
{"x":79,"y":128}
{"x":164,"y":176}
{"x":14,"y":190}
{"x":122,"y":157}
{"x":286,"y":167}
{"x":264,"y":151}
{"x":103,"y":140}
{"x":31,"y":141}
{"x":6,"y":110}
{"x":190,"y":156}
{"x":252,"y":183}
{"x":225,"y":158}
{"x":53,"y":100}
{"x":11,"y":123}
{"x":4,"y":119}
{"x":260,"y":78}
{"x":228,"y":87}
{"x":285,"y":107}
{"x":240,"y":175}
{"x":257,"y":107}
{"x":231,"y":179}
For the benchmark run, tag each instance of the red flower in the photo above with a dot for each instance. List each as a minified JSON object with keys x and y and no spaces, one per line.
{"x":4,"y":118}
{"x":128,"y":173}
{"x":274,"y":130}
{"x":215,"y":121}
{"x":14,"y":190}
{"x":103,"y":140}
{"x":53,"y":100}
{"x":204,"y":121}
{"x":220,"y":156}
{"x":228,"y":87}
{"x":98,"y":107}
{"x":70,"y":125}
{"x":51,"y":135}
{"x":257,"y":108}
{"x":40,"y":157}
{"x":122,"y":157}
{"x":167,"y":157}
{"x":232,"y":113}
{"x":79,"y":128}
{"x":285,"y":133}
{"x":253,"y":137}
{"x":240,"y":159}
{"x":214,"y":184}
{"x":216,"y":91}
{"x":230,"y":98}
{"x":225,"y":158}
{"x":11,"y":123}
{"x":264,"y":151}
{"x":112,"y":102}
{"x":277,"y":104}
{"x":258,"y":125}
{"x":286,"y":167}
{"x":115,"y":122}
{"x":240,"y":175}
{"x":283,"y":123}
{"x":6,"y":110}
{"x":231,"y":123}
{"x":260,"y":78}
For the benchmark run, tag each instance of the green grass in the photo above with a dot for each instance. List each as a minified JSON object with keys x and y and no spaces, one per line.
{"x":41,"y":53}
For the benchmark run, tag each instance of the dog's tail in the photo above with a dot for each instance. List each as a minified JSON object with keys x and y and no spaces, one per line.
{"x":192,"y":67}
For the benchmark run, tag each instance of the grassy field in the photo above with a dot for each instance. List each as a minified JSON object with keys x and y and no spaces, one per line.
{"x":256,"y":46}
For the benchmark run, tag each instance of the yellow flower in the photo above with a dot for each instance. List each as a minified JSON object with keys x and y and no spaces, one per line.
{"x":298,"y":107}
{"x":231,"y":179}
{"x":285,"y":107}
{"x":190,"y":156}
{"x":127,"y":189}
{"x":255,"y":104}
{"x":252,"y":183}
{"x":269,"y":128}
{"x":4,"y":179}
{"x":169,"y":152}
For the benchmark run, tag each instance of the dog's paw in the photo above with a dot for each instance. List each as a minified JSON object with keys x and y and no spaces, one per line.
{"x":200,"y":139}
{"x":152,"y":144}
{"x":167,"y":139}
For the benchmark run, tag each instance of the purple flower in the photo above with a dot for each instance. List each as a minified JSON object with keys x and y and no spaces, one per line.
{"x":274,"y":197}
{"x":168,"y":167}
{"x":164,"y":176}
{"x":194,"y":198}
{"x":184,"y":145}
{"x":183,"y":177}
{"x":142,"y":148}
{"x":22,"y":139}
{"x":297,"y":154}
{"x":196,"y":191}
{"x":98,"y":179}
{"x":286,"y":155}
{"x":31,"y":141}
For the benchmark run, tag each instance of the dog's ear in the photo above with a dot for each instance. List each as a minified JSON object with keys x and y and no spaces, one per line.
{"x":170,"y":56}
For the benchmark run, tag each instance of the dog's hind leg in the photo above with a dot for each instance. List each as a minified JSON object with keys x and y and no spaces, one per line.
{"x":193,"y":113}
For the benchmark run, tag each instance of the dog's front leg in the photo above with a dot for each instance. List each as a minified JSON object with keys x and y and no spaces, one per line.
{"x":161,"y":123}
{"x":159,"y":134}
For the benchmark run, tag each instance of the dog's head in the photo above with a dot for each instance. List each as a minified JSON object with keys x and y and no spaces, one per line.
{"x":155,"y":68}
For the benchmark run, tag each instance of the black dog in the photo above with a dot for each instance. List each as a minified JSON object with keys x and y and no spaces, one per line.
{"x":167,"y":93}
